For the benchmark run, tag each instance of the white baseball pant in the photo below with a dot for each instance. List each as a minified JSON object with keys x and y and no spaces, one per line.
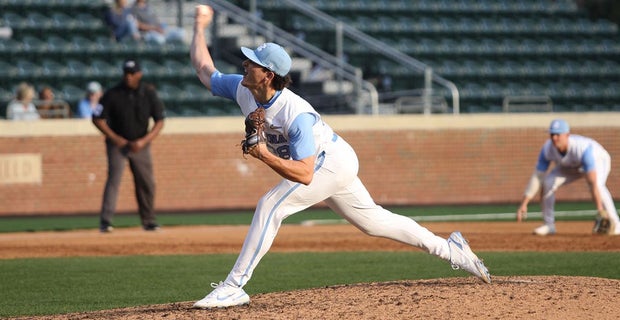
{"x":335,"y":181}
{"x":559,"y":176}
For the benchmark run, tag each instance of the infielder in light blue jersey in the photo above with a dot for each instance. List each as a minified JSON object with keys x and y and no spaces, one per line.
{"x":575,"y":157}
{"x":315,"y":163}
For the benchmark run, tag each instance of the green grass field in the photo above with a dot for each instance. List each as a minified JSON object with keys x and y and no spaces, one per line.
{"x":63,"y":285}
{"x":46,"y":286}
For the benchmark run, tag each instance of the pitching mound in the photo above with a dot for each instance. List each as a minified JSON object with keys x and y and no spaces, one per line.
{"x":454,"y":298}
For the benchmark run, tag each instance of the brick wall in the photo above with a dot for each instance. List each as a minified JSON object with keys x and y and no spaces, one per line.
{"x":404,"y":160}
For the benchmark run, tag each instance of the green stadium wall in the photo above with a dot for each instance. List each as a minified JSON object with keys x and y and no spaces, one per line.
{"x":404,"y":160}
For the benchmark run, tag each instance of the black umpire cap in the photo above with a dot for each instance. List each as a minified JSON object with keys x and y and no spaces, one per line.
{"x":131,"y":66}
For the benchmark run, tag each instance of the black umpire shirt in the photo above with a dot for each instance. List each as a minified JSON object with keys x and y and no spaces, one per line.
{"x":127,"y":111}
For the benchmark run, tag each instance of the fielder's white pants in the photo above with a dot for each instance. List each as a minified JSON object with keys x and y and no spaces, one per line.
{"x":560,"y":176}
{"x":335,"y":182}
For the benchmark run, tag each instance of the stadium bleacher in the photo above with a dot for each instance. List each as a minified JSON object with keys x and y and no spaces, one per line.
{"x":65,"y":44}
{"x":489,"y":48}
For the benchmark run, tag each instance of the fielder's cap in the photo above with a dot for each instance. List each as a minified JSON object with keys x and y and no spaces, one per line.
{"x":558,"y":126}
{"x":131,"y":66}
{"x":93,"y":87}
{"x":270,"y":56}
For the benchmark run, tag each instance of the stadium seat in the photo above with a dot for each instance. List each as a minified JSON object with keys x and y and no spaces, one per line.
{"x":14,"y":20}
{"x":8,"y":74}
{"x":179,"y":71}
{"x":53,"y":71}
{"x":57,"y":47}
{"x":104,"y":70}
{"x":171,"y":93}
{"x":197,"y":92}
{"x":62,"y":20}
{"x":5,"y":97}
{"x":35,"y":46}
{"x":39,"y":20}
{"x":153,"y":69}
{"x":10,"y":48}
{"x":78,"y":72}
{"x":72,"y":94}
{"x":87,"y":20}
{"x":28,"y":70}
{"x":84,"y":47}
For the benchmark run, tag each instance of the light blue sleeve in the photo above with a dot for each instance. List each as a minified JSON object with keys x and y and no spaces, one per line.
{"x":543,"y":163}
{"x":225,"y":85}
{"x":301,"y":136}
{"x":83,"y":109}
{"x":587,"y":160}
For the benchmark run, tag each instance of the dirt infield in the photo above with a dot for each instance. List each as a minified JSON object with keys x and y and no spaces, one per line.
{"x":462,"y":298}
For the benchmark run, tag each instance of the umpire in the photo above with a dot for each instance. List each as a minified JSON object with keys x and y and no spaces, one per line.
{"x":124,"y":120}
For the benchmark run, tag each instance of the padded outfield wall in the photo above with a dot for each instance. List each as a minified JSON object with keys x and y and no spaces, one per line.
{"x":59,"y":166}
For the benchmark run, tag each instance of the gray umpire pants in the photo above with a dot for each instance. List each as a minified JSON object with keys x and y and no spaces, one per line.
{"x":141,"y":165}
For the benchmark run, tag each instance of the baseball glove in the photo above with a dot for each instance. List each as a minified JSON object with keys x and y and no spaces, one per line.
{"x":254,"y":130}
{"x":601,"y":223}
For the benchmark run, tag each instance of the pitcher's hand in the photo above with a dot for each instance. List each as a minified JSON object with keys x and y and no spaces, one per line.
{"x":204,"y":16}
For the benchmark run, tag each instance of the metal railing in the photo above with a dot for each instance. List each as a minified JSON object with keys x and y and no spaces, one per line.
{"x":270,"y":32}
{"x":421,"y":103}
{"x":527,"y":104}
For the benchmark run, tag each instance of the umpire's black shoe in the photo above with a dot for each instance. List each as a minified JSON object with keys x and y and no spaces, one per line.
{"x":105,"y":228}
{"x":151,"y":227}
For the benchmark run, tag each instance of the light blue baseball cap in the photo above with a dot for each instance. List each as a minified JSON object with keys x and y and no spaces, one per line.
{"x":558,"y":126}
{"x":270,"y":56}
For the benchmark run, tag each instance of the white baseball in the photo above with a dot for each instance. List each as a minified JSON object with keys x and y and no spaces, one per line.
{"x":203,"y":9}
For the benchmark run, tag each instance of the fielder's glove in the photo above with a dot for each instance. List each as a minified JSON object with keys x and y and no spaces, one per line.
{"x":254,"y":130}
{"x":601,"y":223}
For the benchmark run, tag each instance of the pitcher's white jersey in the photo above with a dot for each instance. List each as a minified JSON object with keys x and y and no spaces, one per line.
{"x":279,"y":117}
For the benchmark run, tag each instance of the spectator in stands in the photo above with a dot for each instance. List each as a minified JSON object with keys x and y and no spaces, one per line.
{"x":22,"y":107}
{"x":50,"y":107}
{"x":122,"y":23}
{"x":90,"y":103}
{"x":386,"y":82}
{"x":124,"y":121}
{"x":151,"y":28}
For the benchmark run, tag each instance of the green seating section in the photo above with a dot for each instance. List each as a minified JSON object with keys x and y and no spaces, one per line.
{"x":489,"y":48}
{"x":65,"y":44}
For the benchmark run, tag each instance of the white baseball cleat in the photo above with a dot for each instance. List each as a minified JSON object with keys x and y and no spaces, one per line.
{"x":545,"y":230}
{"x":461,"y":257}
{"x":614,"y":228}
{"x":222,"y":296}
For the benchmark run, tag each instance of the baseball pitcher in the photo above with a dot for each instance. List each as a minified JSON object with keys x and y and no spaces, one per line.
{"x":286,"y":133}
